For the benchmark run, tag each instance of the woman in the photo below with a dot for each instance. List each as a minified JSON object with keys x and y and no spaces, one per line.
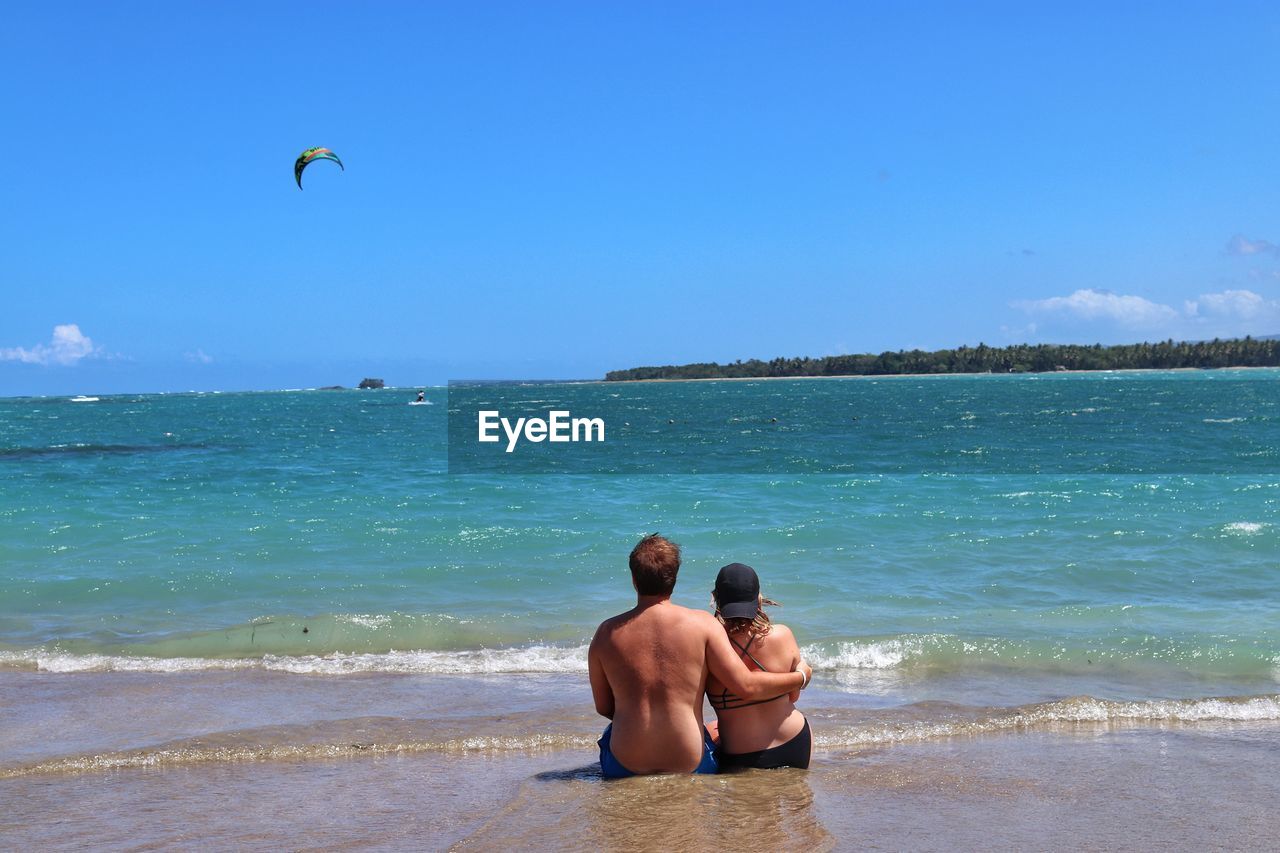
{"x":765,"y":733}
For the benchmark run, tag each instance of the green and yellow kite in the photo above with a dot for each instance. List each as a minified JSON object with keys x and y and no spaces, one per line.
{"x":311,"y":155}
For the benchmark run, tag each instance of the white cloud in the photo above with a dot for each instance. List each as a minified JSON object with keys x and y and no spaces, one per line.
{"x":1236,"y":304}
{"x":1088,"y":304}
{"x":1242,"y":245}
{"x":1229,"y":313}
{"x":1019,"y":333}
{"x":67,"y":346}
{"x":199,"y":357}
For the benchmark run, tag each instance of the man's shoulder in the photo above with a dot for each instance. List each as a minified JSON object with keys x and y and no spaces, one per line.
{"x":612,"y":622}
{"x":687,"y":618}
{"x":696,"y":618}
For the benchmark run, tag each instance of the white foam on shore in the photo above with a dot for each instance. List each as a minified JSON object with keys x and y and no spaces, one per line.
{"x":884,"y":654}
{"x":905,"y":725}
{"x":1082,"y":710}
{"x":841,"y":658}
{"x":531,"y":659}
{"x":873,"y":655}
{"x":62,"y":662}
{"x":195,"y":755}
{"x":1090,"y":710}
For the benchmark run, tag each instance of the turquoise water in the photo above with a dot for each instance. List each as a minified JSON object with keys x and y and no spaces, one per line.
{"x":319,"y":531}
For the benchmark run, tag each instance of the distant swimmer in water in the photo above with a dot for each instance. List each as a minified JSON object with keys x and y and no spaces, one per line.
{"x":422,"y":397}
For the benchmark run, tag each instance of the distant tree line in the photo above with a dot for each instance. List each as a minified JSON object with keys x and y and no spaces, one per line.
{"x":1021,"y":358}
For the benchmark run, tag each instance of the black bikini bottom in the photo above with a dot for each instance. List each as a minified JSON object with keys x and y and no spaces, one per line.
{"x":793,"y":753}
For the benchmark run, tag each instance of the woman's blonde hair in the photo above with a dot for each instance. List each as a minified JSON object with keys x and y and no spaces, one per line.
{"x":757,"y":627}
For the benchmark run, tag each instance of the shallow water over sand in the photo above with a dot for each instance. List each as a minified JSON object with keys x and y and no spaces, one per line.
{"x":395,"y":761}
{"x":1208,"y":786}
{"x":89,"y":722}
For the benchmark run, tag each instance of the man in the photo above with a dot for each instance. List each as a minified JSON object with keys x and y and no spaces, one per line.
{"x":649,"y":670}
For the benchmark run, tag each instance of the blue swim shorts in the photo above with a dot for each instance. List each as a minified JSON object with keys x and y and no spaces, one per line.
{"x":612,"y":768}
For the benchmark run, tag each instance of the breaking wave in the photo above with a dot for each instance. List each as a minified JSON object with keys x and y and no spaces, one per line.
{"x":1076,"y":711}
{"x":433,"y":645}
{"x":530,"y":659}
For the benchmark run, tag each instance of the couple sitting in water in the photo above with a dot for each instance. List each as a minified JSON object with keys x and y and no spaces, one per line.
{"x":651,"y":666}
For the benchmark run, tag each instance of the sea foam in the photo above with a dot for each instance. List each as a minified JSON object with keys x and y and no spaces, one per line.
{"x":529,"y":659}
{"x":1080,"y":710}
{"x":1244,"y":528}
{"x":835,"y":732}
{"x":883,"y":654}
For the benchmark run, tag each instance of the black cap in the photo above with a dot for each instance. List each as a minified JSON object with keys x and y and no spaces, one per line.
{"x":738,"y":592}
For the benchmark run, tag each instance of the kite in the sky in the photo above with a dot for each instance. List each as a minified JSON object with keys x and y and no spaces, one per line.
{"x":311,"y":155}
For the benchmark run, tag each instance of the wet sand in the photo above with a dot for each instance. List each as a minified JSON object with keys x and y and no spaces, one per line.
{"x":141,"y":761}
{"x":1210,"y":787}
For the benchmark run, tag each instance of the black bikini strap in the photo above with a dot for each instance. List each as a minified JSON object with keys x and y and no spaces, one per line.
{"x":746,"y":650}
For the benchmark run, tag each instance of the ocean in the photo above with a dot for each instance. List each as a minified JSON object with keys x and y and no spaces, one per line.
{"x":1021,"y":595}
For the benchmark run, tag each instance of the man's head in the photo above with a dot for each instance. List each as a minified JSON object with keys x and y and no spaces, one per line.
{"x":654,"y":564}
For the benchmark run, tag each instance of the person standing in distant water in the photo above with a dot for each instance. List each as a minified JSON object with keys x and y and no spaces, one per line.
{"x":764,"y":733}
{"x":649,"y":669}
{"x":422,"y":396}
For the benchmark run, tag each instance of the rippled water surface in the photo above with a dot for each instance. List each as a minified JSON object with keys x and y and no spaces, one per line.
{"x":317,"y":531}
{"x":1018,"y":587}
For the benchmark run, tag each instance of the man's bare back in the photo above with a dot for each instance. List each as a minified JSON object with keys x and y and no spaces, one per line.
{"x":652,"y":666}
{"x":649,"y":670}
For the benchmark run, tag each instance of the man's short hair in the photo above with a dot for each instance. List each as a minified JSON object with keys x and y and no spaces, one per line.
{"x":654,"y":564}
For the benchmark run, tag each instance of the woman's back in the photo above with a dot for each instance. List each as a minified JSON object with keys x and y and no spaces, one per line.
{"x":751,"y":727}
{"x":768,"y":733}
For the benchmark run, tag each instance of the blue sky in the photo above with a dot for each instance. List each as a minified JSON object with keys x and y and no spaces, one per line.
{"x":560,"y":189}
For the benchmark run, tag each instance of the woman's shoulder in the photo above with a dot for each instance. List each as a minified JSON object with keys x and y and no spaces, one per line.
{"x":782,"y":632}
{"x":781,"y":639}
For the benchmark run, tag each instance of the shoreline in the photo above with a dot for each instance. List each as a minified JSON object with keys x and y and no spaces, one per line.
{"x":1127,"y":370}
{"x":503,"y":382}
{"x":398,"y":761}
{"x":1090,"y":785}
{"x":217,"y":718}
